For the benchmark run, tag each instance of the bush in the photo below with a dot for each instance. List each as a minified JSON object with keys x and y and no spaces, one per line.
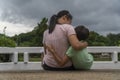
{"x":6,"y":42}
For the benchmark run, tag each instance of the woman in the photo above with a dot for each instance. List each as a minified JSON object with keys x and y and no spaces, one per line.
{"x":60,"y":34}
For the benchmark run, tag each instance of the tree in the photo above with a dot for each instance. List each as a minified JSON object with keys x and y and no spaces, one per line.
{"x":6,"y":42}
{"x":114,"y":39}
{"x":34,"y":37}
{"x":41,"y":27}
{"x":97,"y":40}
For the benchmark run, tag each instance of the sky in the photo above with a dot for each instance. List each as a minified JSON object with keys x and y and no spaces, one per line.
{"x":21,"y":16}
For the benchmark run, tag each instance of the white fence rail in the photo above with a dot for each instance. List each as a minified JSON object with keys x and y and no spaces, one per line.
{"x":27,"y":65}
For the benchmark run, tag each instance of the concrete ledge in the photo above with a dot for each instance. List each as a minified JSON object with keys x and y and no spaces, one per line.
{"x":20,"y":66}
{"x":36,"y":66}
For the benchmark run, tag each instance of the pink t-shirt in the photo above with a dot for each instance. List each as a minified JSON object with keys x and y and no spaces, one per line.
{"x":59,"y":40}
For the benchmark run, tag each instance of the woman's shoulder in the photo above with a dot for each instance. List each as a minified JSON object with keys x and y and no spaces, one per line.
{"x":46,"y":31}
{"x":67,"y":25}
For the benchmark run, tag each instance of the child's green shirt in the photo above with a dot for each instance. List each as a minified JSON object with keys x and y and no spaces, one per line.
{"x":81,"y":59}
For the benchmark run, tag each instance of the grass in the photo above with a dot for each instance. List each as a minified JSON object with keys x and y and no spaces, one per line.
{"x":102,"y":59}
{"x":30,"y":59}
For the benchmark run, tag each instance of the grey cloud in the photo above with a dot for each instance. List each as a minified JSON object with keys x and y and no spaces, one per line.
{"x":98,"y":15}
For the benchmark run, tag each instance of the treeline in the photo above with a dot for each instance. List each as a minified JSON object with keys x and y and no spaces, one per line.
{"x":111,"y":39}
{"x":34,"y":38}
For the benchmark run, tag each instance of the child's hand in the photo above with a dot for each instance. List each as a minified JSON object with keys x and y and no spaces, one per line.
{"x":84,"y":44}
{"x":50,"y":48}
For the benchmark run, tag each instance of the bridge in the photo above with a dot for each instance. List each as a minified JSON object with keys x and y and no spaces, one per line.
{"x":108,"y":70}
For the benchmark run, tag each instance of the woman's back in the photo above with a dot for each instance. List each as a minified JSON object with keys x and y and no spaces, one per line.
{"x":59,"y":40}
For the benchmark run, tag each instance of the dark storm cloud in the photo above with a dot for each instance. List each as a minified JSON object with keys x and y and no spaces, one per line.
{"x":31,"y":9}
{"x":102,"y":16}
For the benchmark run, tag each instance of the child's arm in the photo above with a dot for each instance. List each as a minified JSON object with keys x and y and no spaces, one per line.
{"x":60,"y":61}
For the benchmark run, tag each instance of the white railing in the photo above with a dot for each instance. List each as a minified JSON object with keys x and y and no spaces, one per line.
{"x":15,"y":64}
{"x":27,"y":65}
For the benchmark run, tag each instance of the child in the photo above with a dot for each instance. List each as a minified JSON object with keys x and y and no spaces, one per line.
{"x":81,"y":59}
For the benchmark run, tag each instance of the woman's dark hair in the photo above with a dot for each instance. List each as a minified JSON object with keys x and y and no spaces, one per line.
{"x":54,"y":19}
{"x":82,"y":32}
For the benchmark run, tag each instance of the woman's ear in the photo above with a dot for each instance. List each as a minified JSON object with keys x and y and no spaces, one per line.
{"x":64,"y":17}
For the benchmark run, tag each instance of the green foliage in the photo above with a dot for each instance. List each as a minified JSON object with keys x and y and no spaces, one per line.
{"x":119,"y":43}
{"x":33,"y":38}
{"x":6,"y":42}
{"x":25,"y":44}
{"x":42,"y":26}
{"x":114,"y":39}
{"x":26,"y":38}
{"x":97,"y":40}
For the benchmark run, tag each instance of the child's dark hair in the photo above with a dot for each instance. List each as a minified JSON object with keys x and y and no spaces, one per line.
{"x":82,"y":32}
{"x":54,"y":19}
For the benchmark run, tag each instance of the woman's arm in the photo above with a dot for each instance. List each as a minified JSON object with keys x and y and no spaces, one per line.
{"x":75,"y":43}
{"x":42,"y":55}
{"x":60,"y":61}
{"x":44,"y":45}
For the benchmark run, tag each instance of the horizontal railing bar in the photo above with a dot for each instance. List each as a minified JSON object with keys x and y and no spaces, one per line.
{"x":30,"y":49}
{"x":108,"y":49}
{"x":10,"y":50}
{"x":95,"y":49}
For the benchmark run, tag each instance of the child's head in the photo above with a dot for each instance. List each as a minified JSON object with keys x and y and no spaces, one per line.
{"x":82,"y":32}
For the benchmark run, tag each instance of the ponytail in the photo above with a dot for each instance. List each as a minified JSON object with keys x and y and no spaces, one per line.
{"x":52,"y":23}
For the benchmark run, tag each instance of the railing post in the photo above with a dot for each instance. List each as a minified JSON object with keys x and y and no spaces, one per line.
{"x":115,"y":56}
{"x":15,"y":57}
{"x":26,"y":57}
